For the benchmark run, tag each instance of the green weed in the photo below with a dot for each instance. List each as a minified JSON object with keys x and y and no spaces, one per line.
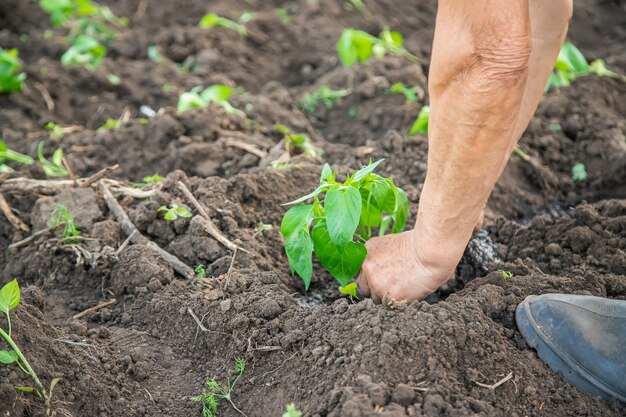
{"x":261,"y":228}
{"x":349,"y":211}
{"x":200,"y":271}
{"x":420,"y":125}
{"x":214,"y":391}
{"x":199,"y":98}
{"x":7,"y":154}
{"x":410,"y":93}
{"x":292,"y":411}
{"x":283,"y":15}
{"x":579,"y":172}
{"x":324,"y":95}
{"x":297,"y":142}
{"x":149,"y":180}
{"x":11,"y":79}
{"x":505,"y":274}
{"x":9,"y":300}
{"x":213,"y":20}
{"x":70,"y":230}
{"x":53,"y":167}
{"x":174,"y":211}
{"x":356,"y":46}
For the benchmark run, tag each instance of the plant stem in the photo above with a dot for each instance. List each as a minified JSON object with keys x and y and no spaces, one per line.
{"x":521,"y":153}
{"x":29,"y":369}
{"x":235,"y":407}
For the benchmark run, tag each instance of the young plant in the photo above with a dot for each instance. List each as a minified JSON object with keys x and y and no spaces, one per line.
{"x":356,"y":46}
{"x":261,"y":228}
{"x":324,"y":95}
{"x":214,"y":391}
{"x":56,"y":131}
{"x":7,"y":154}
{"x":213,"y":20}
{"x":410,"y":93}
{"x":85,"y":51}
{"x":198,"y":98}
{"x":357,"y":6}
{"x":336,"y":225}
{"x":420,"y":125}
{"x":70,"y":230}
{"x":283,"y":15}
{"x":53,"y":167}
{"x":110,"y":124}
{"x":505,"y":274}
{"x":579,"y":172}
{"x":9,"y":300}
{"x":571,"y":64}
{"x":200,"y":271}
{"x":297,"y":142}
{"x":11,"y":79}
{"x":174,"y":211}
{"x":292,"y":411}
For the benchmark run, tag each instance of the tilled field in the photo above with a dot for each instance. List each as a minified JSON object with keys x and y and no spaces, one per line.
{"x":155,"y":346}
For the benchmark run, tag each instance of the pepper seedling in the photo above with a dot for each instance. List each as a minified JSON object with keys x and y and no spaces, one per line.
{"x":198,"y":98}
{"x":420,"y":125}
{"x":214,"y":391}
{"x":297,"y":142}
{"x":214,"y":20}
{"x":174,"y":211}
{"x":336,"y":225}
{"x":356,"y":46}
{"x":7,"y":154}
{"x":11,"y":79}
{"x":324,"y":95}
{"x":9,"y":300}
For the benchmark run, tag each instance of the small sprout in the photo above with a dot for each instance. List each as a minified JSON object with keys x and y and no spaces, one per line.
{"x":167,"y":88}
{"x":336,"y":226}
{"x":410,"y":93}
{"x":149,"y":180}
{"x":350,"y":290}
{"x":200,"y":271}
{"x":261,"y":228}
{"x":174,"y":212}
{"x":114,"y":79}
{"x":579,"y":172}
{"x":247,"y":16}
{"x":297,"y":142}
{"x":53,"y":167}
{"x":70,"y":230}
{"x":9,"y":300}
{"x":154,"y":55}
{"x":56,"y":132}
{"x":292,"y":411}
{"x":110,"y":124}
{"x":283,"y":14}
{"x":356,"y":46}
{"x":213,"y":20}
{"x":11,"y":79}
{"x":278,"y":164}
{"x":505,"y":274}
{"x":353,"y":112}
{"x":85,"y":51}
{"x":357,"y":6}
{"x":555,"y":127}
{"x":198,"y":98}
{"x":214,"y":391}
{"x":7,"y":154}
{"x":324,"y":95}
{"x":421,"y":123}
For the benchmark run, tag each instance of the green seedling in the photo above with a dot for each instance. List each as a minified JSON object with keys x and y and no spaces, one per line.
{"x":356,"y":46}
{"x":198,"y":98}
{"x":214,"y":391}
{"x":283,"y":15}
{"x":555,"y":127}
{"x":324,"y":95}
{"x":579,"y":172}
{"x":11,"y":79}
{"x":53,"y":167}
{"x":85,"y":51}
{"x":155,"y":56}
{"x":261,"y":228}
{"x":410,"y":93}
{"x":7,"y":154}
{"x":200,"y":271}
{"x":213,"y":20}
{"x":56,"y":131}
{"x":149,"y":180}
{"x":505,"y":274}
{"x":70,"y":230}
{"x":297,"y":142}
{"x":174,"y":211}
{"x":337,"y":225}
{"x":350,"y":290}
{"x":246,"y":17}
{"x":292,"y":411}
{"x":9,"y":300}
{"x":278,"y":164}
{"x":110,"y":124}
{"x":420,"y":125}
{"x":571,"y":64}
{"x":357,"y":6}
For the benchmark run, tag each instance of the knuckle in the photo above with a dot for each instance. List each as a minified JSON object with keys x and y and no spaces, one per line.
{"x":505,"y":59}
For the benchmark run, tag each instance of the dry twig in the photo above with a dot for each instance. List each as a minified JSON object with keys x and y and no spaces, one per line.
{"x":36,"y":235}
{"x":47,"y":187}
{"x":248,"y":147}
{"x":13,"y":219}
{"x":497,"y":384}
{"x":93,"y":309}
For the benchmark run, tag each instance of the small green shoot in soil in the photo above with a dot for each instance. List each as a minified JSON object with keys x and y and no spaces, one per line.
{"x":149,"y":180}
{"x":571,"y":64}
{"x":505,"y":274}
{"x":9,"y":300}
{"x":292,"y":411}
{"x":70,"y":230}
{"x":85,"y":51}
{"x":579,"y":172}
{"x":336,"y":226}
{"x":214,"y":20}
{"x":324,"y":95}
{"x":260,"y":228}
{"x":11,"y":79}
{"x":200,"y":271}
{"x":297,"y":142}
{"x":283,"y":15}
{"x":357,"y":6}
{"x":53,"y":167}
{"x":247,"y":16}
{"x":410,"y":93}
{"x":110,"y":124}
{"x":356,"y":46}
{"x":350,"y":290}
{"x":7,"y":154}
{"x":214,"y":391}
{"x":56,"y":131}
{"x":174,"y":211}
{"x":199,"y":98}
{"x":421,"y":123}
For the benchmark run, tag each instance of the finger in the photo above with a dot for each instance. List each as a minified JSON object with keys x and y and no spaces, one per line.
{"x":362,"y":288}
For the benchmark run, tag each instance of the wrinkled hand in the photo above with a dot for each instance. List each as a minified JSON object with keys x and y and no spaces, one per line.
{"x":394,"y":270}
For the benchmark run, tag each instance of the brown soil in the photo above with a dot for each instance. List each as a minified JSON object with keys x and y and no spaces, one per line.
{"x":146,"y":355}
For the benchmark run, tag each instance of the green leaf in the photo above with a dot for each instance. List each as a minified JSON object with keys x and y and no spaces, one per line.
{"x":217,"y":93}
{"x":384,"y":225}
{"x":23,"y":388}
{"x":7,"y":357}
{"x":573,"y":58}
{"x":343,"y":210}
{"x":401,"y":213}
{"x":365,"y":171}
{"x":296,"y":218}
{"x":182,"y":212}
{"x":343,"y":262}
{"x":327,"y":174}
{"x":7,"y":154}
{"x":421,"y":123}
{"x":579,"y":172}
{"x":318,"y":190}
{"x":350,"y":290}
{"x":9,"y":296}
{"x":299,"y":248}
{"x":170,"y":215}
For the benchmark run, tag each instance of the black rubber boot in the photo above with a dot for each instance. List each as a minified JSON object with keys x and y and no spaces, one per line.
{"x":582,"y":337}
